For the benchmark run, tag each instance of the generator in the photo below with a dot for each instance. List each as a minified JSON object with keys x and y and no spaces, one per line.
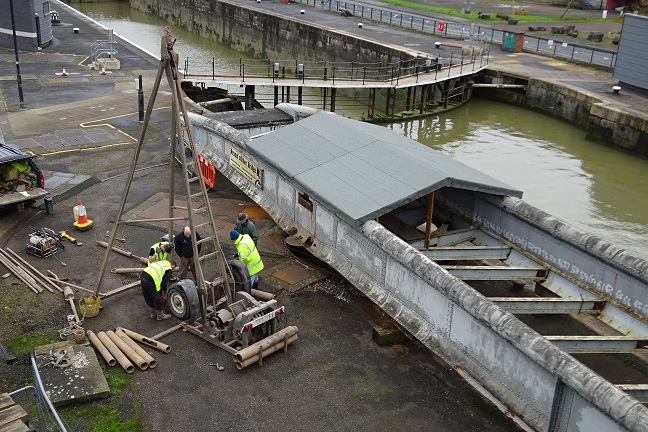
{"x":42,"y":244}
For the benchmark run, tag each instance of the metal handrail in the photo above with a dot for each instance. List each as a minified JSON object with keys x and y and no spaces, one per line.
{"x":41,"y":399}
{"x":392,"y":72}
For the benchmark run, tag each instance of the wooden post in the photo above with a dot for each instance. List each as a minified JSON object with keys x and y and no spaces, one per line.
{"x":428,"y":222}
{"x":333,"y":91}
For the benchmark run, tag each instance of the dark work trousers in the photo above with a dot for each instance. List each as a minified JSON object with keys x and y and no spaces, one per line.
{"x":152,"y":297}
{"x":187,"y":265}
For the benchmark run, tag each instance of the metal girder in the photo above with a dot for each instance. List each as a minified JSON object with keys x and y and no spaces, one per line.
{"x":453,"y":237}
{"x":637,"y":391}
{"x":497,"y":272}
{"x":467,"y":253}
{"x":541,"y":305}
{"x":599,"y":344}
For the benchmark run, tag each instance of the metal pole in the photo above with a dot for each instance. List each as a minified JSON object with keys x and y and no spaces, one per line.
{"x":140,"y":99}
{"x":15,"y":41}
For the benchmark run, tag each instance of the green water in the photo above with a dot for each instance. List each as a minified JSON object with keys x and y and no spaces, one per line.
{"x":598,"y":189}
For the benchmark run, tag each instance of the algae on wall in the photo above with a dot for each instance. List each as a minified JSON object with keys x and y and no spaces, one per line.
{"x":263,"y":35}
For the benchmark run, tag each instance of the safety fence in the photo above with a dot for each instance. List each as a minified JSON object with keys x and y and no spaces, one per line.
{"x":470,"y":32}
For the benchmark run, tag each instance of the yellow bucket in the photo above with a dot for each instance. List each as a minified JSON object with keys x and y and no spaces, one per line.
{"x":89,"y":306}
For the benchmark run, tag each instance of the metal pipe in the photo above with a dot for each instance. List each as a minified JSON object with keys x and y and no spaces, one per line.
{"x":264,"y":344}
{"x":36,"y":272}
{"x":58,"y":281}
{"x":167,"y":332}
{"x":94,"y":340}
{"x":20,"y":273}
{"x":262,"y":295}
{"x":28,"y":269}
{"x":146,"y":341}
{"x":119,"y":356}
{"x":266,"y":352}
{"x":131,"y":344}
{"x":124,"y":270}
{"x":143,"y":260}
{"x":128,"y":351}
{"x":68,"y":295}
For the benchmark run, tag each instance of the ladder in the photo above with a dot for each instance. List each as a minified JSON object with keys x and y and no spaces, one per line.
{"x":182,"y":136}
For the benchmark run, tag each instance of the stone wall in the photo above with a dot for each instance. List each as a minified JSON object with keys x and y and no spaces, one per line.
{"x":266,"y":35}
{"x":603,"y":121}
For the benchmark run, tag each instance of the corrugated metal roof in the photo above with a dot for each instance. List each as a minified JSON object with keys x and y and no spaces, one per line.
{"x":362,"y":171}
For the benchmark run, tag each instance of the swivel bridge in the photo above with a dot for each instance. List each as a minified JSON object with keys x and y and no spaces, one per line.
{"x":386,"y":91}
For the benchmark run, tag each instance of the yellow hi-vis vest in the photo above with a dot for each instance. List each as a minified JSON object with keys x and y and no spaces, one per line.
{"x":249,"y":254}
{"x":161,"y":255}
{"x":156,"y":270}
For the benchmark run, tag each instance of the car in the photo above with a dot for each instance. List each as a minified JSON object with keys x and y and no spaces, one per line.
{"x":21,"y":181}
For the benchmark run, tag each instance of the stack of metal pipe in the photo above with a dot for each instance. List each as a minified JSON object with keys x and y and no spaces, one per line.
{"x":120,"y":346}
{"x":257,"y":351}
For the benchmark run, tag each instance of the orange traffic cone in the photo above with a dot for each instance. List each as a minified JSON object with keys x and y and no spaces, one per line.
{"x":103,"y":70}
{"x":64,"y":73}
{"x":82,"y":222}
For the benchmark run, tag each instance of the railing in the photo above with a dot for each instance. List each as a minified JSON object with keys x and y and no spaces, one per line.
{"x":361,"y":73}
{"x":575,"y":52}
{"x":102,"y":49}
{"x":47,"y":418}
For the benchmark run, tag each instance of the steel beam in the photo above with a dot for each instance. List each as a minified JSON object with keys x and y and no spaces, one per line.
{"x":599,"y":344}
{"x":637,"y":391}
{"x":540,"y":305}
{"x":453,"y":237}
{"x":467,"y":253}
{"x":496,"y":272}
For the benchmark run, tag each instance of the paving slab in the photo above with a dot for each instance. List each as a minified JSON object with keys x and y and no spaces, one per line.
{"x":82,"y":381}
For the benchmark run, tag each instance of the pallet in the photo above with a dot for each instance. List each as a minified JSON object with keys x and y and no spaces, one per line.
{"x":12,"y":416}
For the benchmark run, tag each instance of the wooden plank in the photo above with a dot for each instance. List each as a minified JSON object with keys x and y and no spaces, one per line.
{"x":11,"y":414}
{"x":16,"y":426}
{"x":6,"y":401}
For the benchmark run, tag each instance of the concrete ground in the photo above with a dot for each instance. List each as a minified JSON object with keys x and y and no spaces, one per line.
{"x":335,"y":377}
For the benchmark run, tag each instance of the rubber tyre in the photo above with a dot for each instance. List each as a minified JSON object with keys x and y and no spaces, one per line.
{"x":240,"y":275}
{"x":183,"y":302}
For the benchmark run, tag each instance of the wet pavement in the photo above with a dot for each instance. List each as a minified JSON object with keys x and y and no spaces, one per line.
{"x":84,"y":128}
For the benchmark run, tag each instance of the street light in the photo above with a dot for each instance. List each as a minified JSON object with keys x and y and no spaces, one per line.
{"x":13,"y":28}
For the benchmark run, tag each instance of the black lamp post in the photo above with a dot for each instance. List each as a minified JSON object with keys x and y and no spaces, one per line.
{"x":13,"y":27}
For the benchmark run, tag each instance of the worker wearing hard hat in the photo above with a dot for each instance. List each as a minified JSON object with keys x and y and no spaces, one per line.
{"x":154,"y":280}
{"x":249,"y":254}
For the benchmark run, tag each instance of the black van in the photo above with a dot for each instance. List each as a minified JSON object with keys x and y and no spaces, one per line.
{"x":21,"y":180}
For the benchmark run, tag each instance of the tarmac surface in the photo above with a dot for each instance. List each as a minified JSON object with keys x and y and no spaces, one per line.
{"x":84,"y":128}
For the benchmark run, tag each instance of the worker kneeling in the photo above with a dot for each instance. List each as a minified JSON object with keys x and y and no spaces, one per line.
{"x":154,"y":280}
{"x":248,"y":253}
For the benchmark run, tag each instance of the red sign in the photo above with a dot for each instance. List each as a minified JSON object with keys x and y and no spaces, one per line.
{"x":441,"y":26}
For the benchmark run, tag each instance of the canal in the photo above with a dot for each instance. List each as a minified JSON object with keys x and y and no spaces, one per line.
{"x":598,"y":189}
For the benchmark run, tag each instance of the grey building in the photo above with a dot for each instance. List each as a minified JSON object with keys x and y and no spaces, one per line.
{"x":632,"y":56}
{"x":32,"y":20}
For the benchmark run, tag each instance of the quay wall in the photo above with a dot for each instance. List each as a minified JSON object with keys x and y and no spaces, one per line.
{"x":604,"y":122}
{"x":260,"y":34}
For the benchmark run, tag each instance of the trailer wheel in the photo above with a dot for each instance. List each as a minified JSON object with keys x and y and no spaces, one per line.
{"x":183,"y":302}
{"x":241,"y":275}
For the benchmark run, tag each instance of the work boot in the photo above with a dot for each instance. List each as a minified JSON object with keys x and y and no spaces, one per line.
{"x":161,"y":315}
{"x":152,"y":314}
{"x":255,"y":285}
